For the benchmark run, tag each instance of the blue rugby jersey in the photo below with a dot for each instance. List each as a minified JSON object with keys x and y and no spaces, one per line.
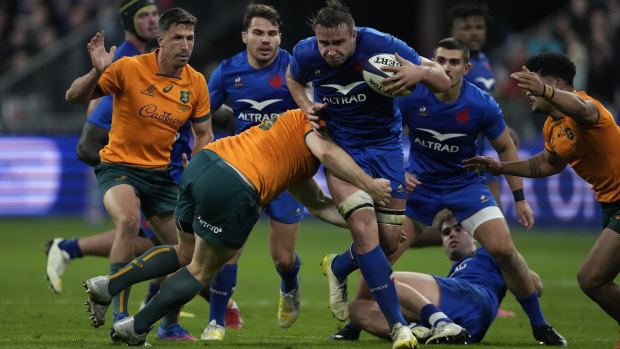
{"x":256,"y":95}
{"x":480,"y":73}
{"x":442,"y":135}
{"x":481,"y":270}
{"x":355,"y":116}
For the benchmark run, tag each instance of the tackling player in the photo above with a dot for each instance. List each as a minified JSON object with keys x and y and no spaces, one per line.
{"x":221,"y":193}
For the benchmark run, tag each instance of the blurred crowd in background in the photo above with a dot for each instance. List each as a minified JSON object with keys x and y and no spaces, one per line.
{"x":44,"y":48}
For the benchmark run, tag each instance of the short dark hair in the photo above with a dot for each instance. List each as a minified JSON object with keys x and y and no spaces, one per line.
{"x":553,"y":64}
{"x":333,"y":15}
{"x":454,"y":44}
{"x":262,"y":11}
{"x":175,"y":15}
{"x":468,"y":9}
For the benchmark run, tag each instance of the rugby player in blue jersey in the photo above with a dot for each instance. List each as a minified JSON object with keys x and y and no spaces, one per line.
{"x":469,"y":294}
{"x":368,"y":126}
{"x":254,"y":81}
{"x":443,"y":131}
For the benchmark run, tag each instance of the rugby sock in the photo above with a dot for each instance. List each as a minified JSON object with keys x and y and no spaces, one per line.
{"x":121,"y":298}
{"x":290,"y":279}
{"x":158,"y":261}
{"x":532,"y":308}
{"x":431,"y":315}
{"x":222,"y":287}
{"x":177,"y":290}
{"x":171,"y":318}
{"x":345,"y":263}
{"x":71,"y":247}
{"x":153,"y":289}
{"x":378,"y":275}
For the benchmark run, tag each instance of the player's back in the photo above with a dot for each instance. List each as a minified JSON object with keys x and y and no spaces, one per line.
{"x":271,"y":155}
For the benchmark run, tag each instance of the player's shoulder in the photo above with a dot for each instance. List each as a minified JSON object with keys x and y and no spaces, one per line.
{"x":126,"y":49}
{"x":475,"y":93}
{"x":306,"y":45}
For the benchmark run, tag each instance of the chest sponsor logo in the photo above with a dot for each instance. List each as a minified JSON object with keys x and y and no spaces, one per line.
{"x":149,"y":90}
{"x":439,"y":146}
{"x":259,"y":106}
{"x":344,"y":90}
{"x":487,"y":83}
{"x":151,"y":111}
{"x":184,"y":96}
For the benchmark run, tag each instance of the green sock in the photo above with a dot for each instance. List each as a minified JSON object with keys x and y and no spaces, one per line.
{"x":121,"y":298}
{"x":170,"y":319}
{"x":158,"y":261}
{"x":179,"y":289}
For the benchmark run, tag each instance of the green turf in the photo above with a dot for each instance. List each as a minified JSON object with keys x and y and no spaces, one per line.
{"x":33,"y":317}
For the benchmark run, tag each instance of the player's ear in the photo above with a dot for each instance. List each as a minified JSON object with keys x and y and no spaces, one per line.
{"x":467,"y":68}
{"x":244,"y":37}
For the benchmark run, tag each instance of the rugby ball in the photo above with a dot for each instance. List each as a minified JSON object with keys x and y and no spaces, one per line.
{"x":372,"y":73}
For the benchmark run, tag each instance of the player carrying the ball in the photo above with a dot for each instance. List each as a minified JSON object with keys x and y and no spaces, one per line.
{"x":368,"y":126}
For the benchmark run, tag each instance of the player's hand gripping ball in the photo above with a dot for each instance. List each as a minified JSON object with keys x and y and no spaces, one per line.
{"x":372,"y":73}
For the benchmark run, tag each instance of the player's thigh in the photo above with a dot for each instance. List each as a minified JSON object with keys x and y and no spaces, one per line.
{"x":123,"y":205}
{"x":164,"y":227}
{"x":602,"y":264}
{"x":425,"y":284}
{"x":338,"y":188}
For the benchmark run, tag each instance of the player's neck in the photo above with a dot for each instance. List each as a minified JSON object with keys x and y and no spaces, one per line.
{"x":452,"y":94}
{"x":258,"y":64}
{"x":167,"y":68}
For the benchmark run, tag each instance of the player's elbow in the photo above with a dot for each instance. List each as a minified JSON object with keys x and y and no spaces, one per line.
{"x":85,"y":154}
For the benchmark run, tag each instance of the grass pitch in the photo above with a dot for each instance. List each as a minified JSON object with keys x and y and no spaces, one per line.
{"x":34,"y":317}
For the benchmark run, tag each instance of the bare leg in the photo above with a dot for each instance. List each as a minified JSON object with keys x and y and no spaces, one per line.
{"x":598,"y":271}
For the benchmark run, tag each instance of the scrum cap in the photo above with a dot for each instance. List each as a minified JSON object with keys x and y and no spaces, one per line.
{"x":128,"y":11}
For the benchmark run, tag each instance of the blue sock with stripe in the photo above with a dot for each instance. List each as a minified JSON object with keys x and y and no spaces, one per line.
{"x":378,"y":275}
{"x":431,"y":315}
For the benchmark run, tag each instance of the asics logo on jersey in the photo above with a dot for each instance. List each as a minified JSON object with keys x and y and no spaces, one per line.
{"x":345,"y":89}
{"x":488,"y":83}
{"x":167,"y":88}
{"x":150,"y":111}
{"x":441,"y":137}
{"x":259,"y":105}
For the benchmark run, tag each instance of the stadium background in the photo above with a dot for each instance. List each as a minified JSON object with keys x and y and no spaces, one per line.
{"x":45,"y":50}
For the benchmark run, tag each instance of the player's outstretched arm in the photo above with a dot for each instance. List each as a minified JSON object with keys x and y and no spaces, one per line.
{"x":83,"y":88}
{"x":320,"y":205}
{"x":337,"y":161}
{"x":506,"y":151}
{"x":224,"y":118}
{"x":542,"y":164}
{"x":566,"y":102}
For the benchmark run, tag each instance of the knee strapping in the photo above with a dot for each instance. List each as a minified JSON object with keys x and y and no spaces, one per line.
{"x":360,"y":200}
{"x":390,"y":216}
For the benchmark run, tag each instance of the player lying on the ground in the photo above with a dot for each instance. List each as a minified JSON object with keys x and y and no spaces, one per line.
{"x":469,"y":295}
